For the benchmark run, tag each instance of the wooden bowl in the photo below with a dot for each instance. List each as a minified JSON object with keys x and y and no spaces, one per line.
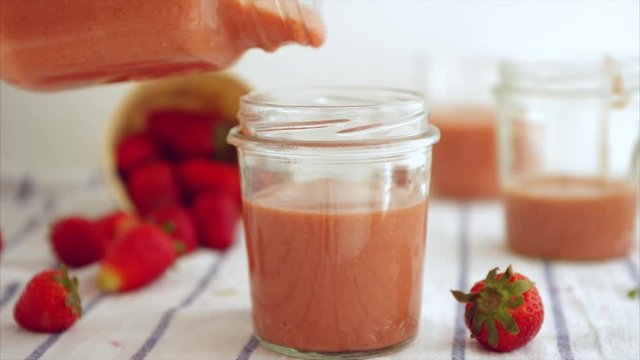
{"x":219,"y":91}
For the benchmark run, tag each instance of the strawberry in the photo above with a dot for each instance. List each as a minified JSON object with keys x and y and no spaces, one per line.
{"x":504,"y":311}
{"x":153,"y":186}
{"x":188,"y":134}
{"x":1,"y":242}
{"x":49,"y":303}
{"x":215,"y":215}
{"x":77,"y":241}
{"x":134,"y":151}
{"x":114,"y":224}
{"x":137,"y":258}
{"x":177,"y":222}
{"x":202,"y":176}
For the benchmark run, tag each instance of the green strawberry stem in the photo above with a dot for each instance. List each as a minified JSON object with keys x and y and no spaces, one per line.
{"x":169,"y":227}
{"x":493,"y":304}
{"x":72,"y":299}
{"x":180,"y":247}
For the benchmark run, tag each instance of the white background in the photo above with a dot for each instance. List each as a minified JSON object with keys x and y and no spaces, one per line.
{"x":414,"y":44}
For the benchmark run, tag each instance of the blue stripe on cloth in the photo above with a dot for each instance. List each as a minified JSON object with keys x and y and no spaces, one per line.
{"x":32,"y":222}
{"x":562,"y":333}
{"x":95,"y":180}
{"x":163,"y":324}
{"x":460,"y":333}
{"x":25,"y":189}
{"x":633,"y":270}
{"x":248,"y":348}
{"x":9,"y":292}
{"x":53,"y":338}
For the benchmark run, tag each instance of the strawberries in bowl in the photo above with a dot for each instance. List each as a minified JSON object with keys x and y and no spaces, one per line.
{"x":167,"y":149}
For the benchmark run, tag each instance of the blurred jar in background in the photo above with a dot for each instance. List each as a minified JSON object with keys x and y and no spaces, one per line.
{"x":568,"y":157}
{"x":465,"y":161}
{"x":48,"y":45}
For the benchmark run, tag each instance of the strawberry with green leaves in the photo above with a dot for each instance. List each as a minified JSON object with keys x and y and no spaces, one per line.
{"x":504,"y":311}
{"x":178,"y":224}
{"x":49,"y":303}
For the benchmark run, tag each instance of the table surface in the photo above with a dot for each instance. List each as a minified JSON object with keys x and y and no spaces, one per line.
{"x":201,"y":308}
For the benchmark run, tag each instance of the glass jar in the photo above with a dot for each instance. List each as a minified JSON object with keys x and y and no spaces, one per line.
{"x":335,"y":185}
{"x":50,"y":45}
{"x":568,"y":147}
{"x":465,"y":165}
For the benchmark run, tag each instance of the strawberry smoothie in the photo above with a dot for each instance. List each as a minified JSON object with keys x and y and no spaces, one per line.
{"x":571,"y":218}
{"x":332,"y":272}
{"x":49,"y":45}
{"x":464,"y":163}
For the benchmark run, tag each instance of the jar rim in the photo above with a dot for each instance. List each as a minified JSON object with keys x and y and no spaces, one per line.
{"x":427,"y":138}
{"x":403,"y":97}
{"x":614,"y":77}
{"x":332,"y":116}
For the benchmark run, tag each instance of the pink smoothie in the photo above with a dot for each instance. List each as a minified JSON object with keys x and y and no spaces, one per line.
{"x":571,"y":218}
{"x":329,"y":272}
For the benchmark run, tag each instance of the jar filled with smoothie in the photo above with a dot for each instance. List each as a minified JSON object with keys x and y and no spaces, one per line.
{"x":568,"y":147}
{"x":465,"y":162}
{"x":335,"y":197}
{"x":50,"y":45}
{"x":465,"y":165}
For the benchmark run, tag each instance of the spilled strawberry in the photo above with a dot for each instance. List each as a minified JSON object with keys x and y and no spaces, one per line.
{"x":77,"y":241}
{"x":49,"y":303}
{"x":153,"y":187}
{"x":188,"y":134}
{"x":202,"y":176}
{"x":137,"y":258}
{"x":114,"y":224}
{"x":177,"y":223}
{"x":504,"y":311}
{"x":134,"y":151}
{"x":216,"y":215}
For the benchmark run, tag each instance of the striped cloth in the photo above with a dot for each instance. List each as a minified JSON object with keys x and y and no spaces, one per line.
{"x":201,"y":309}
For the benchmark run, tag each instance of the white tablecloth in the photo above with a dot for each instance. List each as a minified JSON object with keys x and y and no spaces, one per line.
{"x":201,"y":308}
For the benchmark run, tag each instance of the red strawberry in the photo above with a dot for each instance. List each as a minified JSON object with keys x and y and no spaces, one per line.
{"x":153,"y":187}
{"x":189,"y":134}
{"x":202,"y":176}
{"x":116,"y":223}
{"x":503,"y":311}
{"x":49,"y":303}
{"x":136,"y":259}
{"x":216,"y":215}
{"x":1,"y":242}
{"x":134,"y":151}
{"x":177,"y":222}
{"x":77,"y":241}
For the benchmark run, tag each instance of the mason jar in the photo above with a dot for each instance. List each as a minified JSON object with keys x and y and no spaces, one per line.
{"x":568,"y":149}
{"x":335,"y":185}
